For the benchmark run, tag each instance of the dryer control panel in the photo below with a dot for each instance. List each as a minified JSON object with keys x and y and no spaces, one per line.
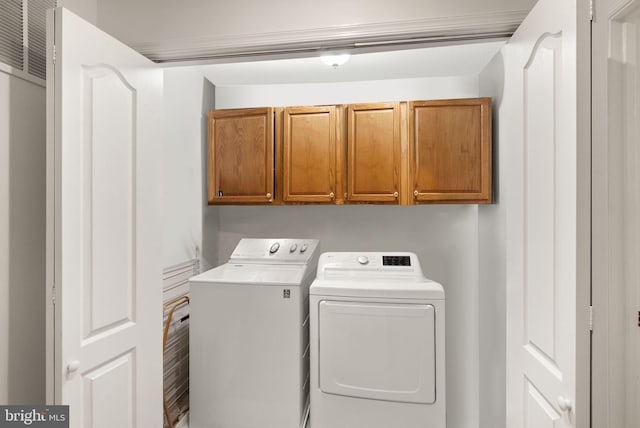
{"x":396,"y":260}
{"x":358,"y":264}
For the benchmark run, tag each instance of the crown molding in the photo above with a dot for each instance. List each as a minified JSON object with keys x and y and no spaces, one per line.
{"x":451,"y":28}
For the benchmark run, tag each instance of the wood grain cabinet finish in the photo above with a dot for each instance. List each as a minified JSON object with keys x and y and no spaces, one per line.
{"x":240,"y":156}
{"x":309,"y":154}
{"x":373,"y":153}
{"x":450,"y":150}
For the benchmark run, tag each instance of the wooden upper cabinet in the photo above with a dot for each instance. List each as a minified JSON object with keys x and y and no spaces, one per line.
{"x":373,"y":152}
{"x":240,"y":156}
{"x":309,"y":154}
{"x":396,"y":153}
{"x":450,"y":150}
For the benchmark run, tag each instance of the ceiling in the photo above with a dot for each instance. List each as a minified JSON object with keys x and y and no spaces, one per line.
{"x":458,"y":60}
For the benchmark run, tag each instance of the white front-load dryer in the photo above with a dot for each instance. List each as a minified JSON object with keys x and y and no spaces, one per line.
{"x":377,"y":343}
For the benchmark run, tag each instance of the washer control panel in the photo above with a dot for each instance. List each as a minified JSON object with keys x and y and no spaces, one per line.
{"x":285,"y":250}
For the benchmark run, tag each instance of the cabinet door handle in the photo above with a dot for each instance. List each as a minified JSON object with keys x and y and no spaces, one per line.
{"x":415,"y":193}
{"x":332,"y":195}
{"x":268,"y":195}
{"x":395,"y":195}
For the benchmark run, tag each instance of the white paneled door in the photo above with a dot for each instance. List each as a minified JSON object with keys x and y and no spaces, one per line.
{"x":104,"y":271}
{"x":545,"y":219}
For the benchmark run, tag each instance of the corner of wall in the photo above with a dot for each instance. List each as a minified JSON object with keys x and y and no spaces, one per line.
{"x":492,"y":271}
{"x":86,"y":9}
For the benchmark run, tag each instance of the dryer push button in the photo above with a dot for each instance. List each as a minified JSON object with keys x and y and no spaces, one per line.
{"x":274,"y":248}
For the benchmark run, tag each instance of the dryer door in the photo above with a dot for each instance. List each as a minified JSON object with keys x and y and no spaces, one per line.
{"x":378,"y":351}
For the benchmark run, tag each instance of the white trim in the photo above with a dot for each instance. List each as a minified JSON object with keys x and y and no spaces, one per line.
{"x":21,"y":74}
{"x":618,"y":9}
{"x":607,"y":212}
{"x":485,"y":25}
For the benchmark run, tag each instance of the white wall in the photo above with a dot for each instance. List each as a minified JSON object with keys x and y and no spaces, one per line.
{"x":345,"y":92}
{"x":492,"y":269}
{"x":87,"y":9}
{"x":445,"y":237}
{"x":22,"y":241}
{"x":187,"y":98}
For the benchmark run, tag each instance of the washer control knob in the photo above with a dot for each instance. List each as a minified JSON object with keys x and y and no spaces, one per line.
{"x":274,"y":248}
{"x":363,"y":260}
{"x":303,"y":248}
{"x":293,"y":247}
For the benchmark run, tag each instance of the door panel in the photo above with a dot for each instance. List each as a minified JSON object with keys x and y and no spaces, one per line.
{"x":108,"y":179}
{"x":240,"y":156}
{"x":450,"y":149}
{"x":539,"y":413}
{"x":539,"y":119}
{"x":373,"y":152}
{"x":309,"y":154}
{"x":541,"y":190}
{"x":108,"y":393}
{"x":105,"y":357}
{"x":378,"y":351}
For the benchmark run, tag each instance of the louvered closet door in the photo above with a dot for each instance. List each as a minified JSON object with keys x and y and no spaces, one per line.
{"x":11,"y":41}
{"x":37,"y":14}
{"x":20,"y":49}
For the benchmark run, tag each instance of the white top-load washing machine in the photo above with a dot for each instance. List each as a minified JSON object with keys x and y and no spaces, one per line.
{"x":377,"y":343}
{"x":249,"y":337}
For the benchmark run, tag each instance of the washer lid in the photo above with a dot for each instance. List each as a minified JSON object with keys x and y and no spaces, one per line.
{"x":251,"y":274}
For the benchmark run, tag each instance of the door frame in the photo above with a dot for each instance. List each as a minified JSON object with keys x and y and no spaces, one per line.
{"x":584,"y":241}
{"x":52,"y":178}
{"x":608,"y":281}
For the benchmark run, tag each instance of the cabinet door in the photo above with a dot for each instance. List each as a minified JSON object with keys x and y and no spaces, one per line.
{"x":309,"y":154}
{"x":373,"y":153}
{"x":240,"y":161}
{"x":450,"y":144}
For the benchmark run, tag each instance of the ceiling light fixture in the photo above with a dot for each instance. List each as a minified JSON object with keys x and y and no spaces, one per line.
{"x":335,"y":60}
